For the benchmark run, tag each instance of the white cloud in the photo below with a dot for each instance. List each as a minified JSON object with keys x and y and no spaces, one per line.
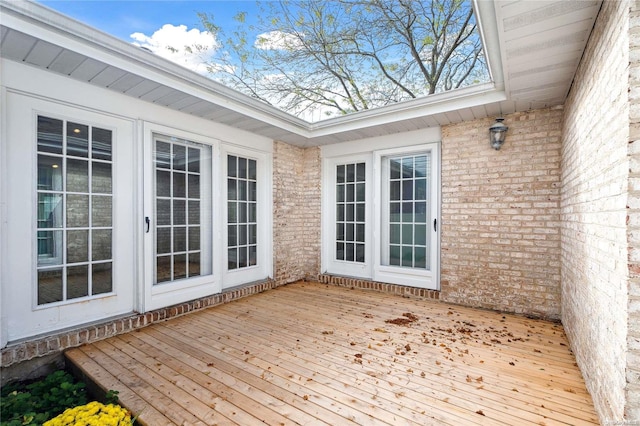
{"x":189,"y":48}
{"x":277,"y":40}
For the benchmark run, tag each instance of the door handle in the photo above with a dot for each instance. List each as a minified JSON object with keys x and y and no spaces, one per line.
{"x":147,"y":221}
{"x":435,"y":225}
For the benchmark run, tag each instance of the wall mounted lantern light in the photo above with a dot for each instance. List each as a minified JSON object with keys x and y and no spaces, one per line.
{"x":497,"y":133}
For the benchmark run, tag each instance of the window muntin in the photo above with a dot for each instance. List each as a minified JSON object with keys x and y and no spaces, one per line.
{"x":183,"y":236}
{"x":413,"y":188}
{"x":224,"y":202}
{"x":350,"y":212}
{"x":407,"y":199}
{"x":74,"y":210}
{"x":242,"y":212}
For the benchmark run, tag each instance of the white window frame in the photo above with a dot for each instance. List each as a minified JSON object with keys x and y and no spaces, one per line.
{"x":55,"y":262}
{"x":395,"y":274}
{"x":24,"y":317}
{"x":330,"y":264}
{"x":372,"y":151}
{"x":264,"y":265}
{"x":170,"y":293}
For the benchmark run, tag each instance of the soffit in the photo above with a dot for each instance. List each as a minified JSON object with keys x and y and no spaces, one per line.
{"x":533,"y":49}
{"x":541,"y":43}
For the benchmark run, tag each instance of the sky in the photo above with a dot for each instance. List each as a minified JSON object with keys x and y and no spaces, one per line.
{"x":172,"y":29}
{"x":155,"y":24}
{"x":121,"y":18}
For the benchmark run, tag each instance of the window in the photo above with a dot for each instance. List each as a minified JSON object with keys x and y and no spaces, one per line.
{"x":183,"y":210}
{"x":74,"y":210}
{"x":73,"y":216}
{"x":242,"y":207}
{"x":350,"y":212}
{"x":347,"y":223}
{"x":379,"y":212}
{"x":209,"y":215}
{"x":407,"y":183}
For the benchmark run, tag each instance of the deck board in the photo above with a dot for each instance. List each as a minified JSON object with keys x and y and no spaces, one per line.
{"x":309,"y":353}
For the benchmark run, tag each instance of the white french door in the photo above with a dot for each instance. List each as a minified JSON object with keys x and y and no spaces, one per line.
{"x":180,"y":205}
{"x":380,"y":215}
{"x":349,"y":226}
{"x":246,"y":218}
{"x":407,"y":221}
{"x":207,"y":220}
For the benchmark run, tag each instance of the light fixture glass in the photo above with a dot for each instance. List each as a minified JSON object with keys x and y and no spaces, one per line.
{"x":497,"y":133}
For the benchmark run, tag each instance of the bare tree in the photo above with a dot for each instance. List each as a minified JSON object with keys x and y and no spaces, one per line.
{"x":341,"y":56}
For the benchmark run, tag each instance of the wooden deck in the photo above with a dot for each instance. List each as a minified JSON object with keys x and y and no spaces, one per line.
{"x":309,"y":353}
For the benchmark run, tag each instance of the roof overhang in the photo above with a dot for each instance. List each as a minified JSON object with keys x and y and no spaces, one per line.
{"x":532,"y":49}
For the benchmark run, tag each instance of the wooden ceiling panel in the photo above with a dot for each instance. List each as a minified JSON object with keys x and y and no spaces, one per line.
{"x":494,"y":110}
{"x":546,"y":46}
{"x":560,"y":80}
{"x":453,"y":117}
{"x":529,"y":69}
{"x":184,"y":103}
{"x":254,"y":125}
{"x":467,"y":114}
{"x":221,"y":114}
{"x":508,"y":107}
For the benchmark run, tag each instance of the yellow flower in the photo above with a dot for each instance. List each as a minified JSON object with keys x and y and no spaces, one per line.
{"x":93,"y":413}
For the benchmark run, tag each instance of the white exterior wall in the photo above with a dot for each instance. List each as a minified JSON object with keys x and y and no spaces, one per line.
{"x":48,"y":93}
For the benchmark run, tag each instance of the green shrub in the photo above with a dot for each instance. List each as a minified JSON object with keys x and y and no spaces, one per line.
{"x":34,"y":403}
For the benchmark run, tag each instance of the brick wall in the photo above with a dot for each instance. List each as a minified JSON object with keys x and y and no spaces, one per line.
{"x":365,"y":284}
{"x":632,"y":410}
{"x":500,"y":215}
{"x":595,"y":169}
{"x":296,"y":212}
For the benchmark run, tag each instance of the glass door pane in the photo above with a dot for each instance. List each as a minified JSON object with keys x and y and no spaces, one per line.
{"x":182,"y":171}
{"x":409,"y":211}
{"x":242,"y":206}
{"x":350,"y":212}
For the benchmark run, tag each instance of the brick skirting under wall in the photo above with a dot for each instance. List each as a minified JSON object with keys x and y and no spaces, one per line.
{"x":54,"y":344}
{"x":396,"y":289}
